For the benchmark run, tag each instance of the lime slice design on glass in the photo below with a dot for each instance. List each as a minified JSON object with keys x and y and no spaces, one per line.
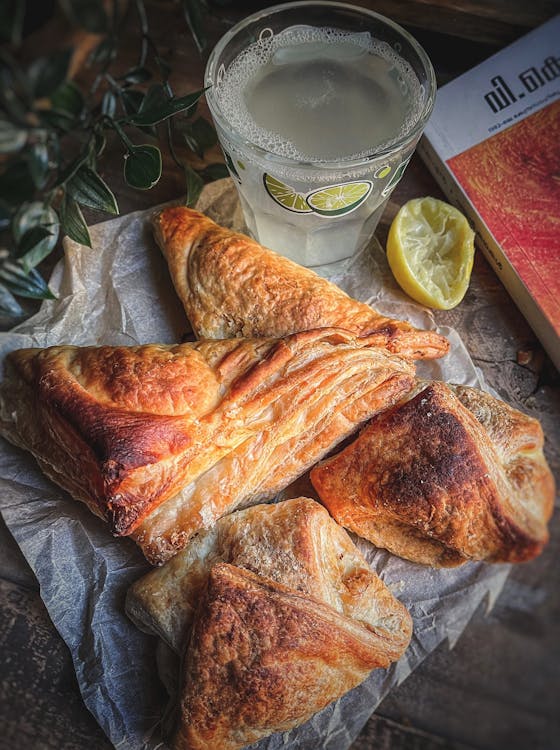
{"x":285,"y":196}
{"x":382,"y":172}
{"x":336,"y":200}
{"x":397,"y":174}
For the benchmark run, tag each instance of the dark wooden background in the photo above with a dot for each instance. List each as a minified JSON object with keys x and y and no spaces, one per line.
{"x":499,"y":688}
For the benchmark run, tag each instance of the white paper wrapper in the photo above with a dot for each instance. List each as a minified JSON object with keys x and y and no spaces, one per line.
{"x":119,"y":292}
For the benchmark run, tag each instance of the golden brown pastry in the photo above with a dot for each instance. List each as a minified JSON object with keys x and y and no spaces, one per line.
{"x":291,"y":622}
{"x":264,"y":658}
{"x":163,"y":440}
{"x":232,"y":286}
{"x":450,"y":474}
{"x":294,"y":542}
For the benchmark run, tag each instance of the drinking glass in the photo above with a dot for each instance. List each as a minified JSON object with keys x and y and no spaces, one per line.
{"x":331,"y":75}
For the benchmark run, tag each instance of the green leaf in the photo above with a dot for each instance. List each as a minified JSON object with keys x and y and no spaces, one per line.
{"x":132,"y":100}
{"x":70,"y":170}
{"x":16,"y":183}
{"x":88,"y":189}
{"x":193,"y":12}
{"x":53,"y":119}
{"x":31,"y":238}
{"x":8,"y":303}
{"x":38,"y":160}
{"x":34,"y":247}
{"x":142,"y":166}
{"x":12,"y":138}
{"x":73,"y":222}
{"x":135,"y":101}
{"x":19,"y":93}
{"x":100,"y":142}
{"x":35,"y":229}
{"x":194,"y":185}
{"x":151,"y":114}
{"x":68,"y":98}
{"x":89,"y":14}
{"x":104,"y":52}
{"x":136,"y":75}
{"x":109,"y":104}
{"x":24,"y":284}
{"x":10,"y":103}
{"x":48,"y":73}
{"x":35,"y":214}
{"x":199,"y":135}
{"x":156,"y":96}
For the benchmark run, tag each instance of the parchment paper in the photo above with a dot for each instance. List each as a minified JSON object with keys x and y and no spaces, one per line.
{"x":119,"y":293}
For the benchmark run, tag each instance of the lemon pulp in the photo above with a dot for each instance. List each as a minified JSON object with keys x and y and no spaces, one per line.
{"x":430,"y":249}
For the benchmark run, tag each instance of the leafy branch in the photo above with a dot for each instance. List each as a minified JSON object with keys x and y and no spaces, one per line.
{"x":53,"y":135}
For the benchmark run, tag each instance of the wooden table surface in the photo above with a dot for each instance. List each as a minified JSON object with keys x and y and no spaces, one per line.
{"x":498,"y":688}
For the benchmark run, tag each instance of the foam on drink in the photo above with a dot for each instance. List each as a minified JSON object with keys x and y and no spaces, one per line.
{"x":315,"y":94}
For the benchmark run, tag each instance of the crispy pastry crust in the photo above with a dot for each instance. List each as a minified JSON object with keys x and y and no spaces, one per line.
{"x":449,"y":475}
{"x":264,"y":658}
{"x":163,"y":440}
{"x":294,"y":542}
{"x":232,"y":286}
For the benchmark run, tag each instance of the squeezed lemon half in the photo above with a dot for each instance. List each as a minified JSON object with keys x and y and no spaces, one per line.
{"x":430,"y":249}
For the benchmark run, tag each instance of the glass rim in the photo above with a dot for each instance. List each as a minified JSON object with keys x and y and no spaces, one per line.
{"x":333,"y":164}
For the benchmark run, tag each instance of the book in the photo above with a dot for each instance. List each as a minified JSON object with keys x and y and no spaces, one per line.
{"x":493,"y":145}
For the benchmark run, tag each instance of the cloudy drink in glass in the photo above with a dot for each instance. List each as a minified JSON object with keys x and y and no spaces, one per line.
{"x":318,"y":113}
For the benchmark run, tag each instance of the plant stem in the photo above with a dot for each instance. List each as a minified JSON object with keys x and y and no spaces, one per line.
{"x":144,"y":28}
{"x":122,"y":135}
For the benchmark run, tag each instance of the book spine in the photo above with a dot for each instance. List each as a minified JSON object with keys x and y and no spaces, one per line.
{"x":492,"y":251}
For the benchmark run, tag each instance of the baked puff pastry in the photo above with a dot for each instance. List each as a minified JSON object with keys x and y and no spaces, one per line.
{"x":161,"y":441}
{"x":449,"y":474}
{"x":264,"y":658}
{"x":295,"y":543}
{"x":230,"y":285}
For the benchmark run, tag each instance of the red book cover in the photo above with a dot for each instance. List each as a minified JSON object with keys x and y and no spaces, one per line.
{"x":513,"y":179}
{"x":493,"y":143}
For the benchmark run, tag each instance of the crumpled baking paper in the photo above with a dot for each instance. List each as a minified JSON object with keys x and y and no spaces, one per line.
{"x":119,"y":292}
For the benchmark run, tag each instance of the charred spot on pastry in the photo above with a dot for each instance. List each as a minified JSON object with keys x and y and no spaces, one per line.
{"x":436,"y":454}
{"x":429,"y":471}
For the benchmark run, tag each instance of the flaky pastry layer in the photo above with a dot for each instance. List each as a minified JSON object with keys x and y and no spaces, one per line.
{"x":163,"y":440}
{"x":294,"y":542}
{"x":264,"y":658}
{"x":448,"y":475}
{"x":230,"y":285}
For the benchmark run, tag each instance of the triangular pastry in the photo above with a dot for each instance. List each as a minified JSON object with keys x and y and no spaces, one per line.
{"x":230,"y":285}
{"x":449,"y":474}
{"x":163,"y":440}
{"x":294,"y":542}
{"x":264,"y":658}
